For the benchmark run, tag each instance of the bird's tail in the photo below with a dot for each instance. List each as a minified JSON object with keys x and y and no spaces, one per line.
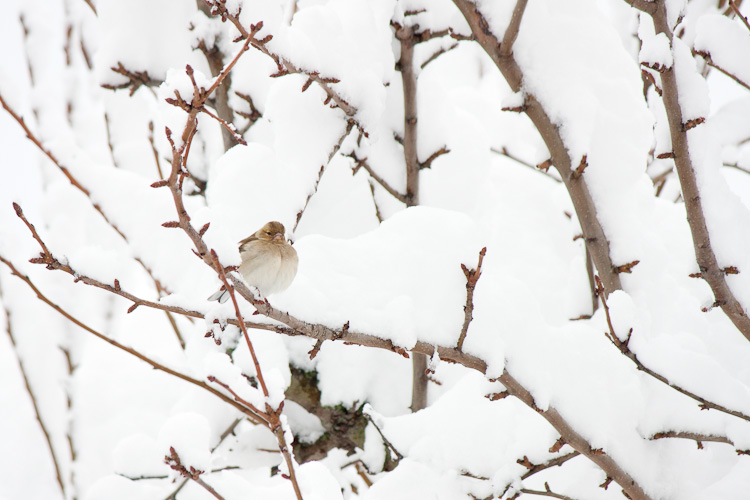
{"x":221,"y":295}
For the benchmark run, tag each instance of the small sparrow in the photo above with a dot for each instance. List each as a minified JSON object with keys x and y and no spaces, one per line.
{"x":269,"y":262}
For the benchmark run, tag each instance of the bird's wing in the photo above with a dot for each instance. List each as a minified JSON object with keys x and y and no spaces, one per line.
{"x":247,"y":240}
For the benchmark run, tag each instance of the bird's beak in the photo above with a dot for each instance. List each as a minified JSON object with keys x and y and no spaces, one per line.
{"x":278,"y":237}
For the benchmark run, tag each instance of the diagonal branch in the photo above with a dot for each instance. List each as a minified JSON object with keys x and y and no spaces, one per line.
{"x":122,"y":347}
{"x":502,"y":56}
{"x":710,"y":270}
{"x":362,"y":163}
{"x":86,"y":192}
{"x":32,"y":396}
{"x":331,"y":154}
{"x":624,"y":348}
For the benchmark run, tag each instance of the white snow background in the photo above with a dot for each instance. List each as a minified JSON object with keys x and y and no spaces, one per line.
{"x":400,"y":279}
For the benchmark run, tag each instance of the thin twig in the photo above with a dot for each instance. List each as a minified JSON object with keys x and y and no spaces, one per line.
{"x":504,"y":151}
{"x":229,"y":288}
{"x":472,"y":276}
{"x":623,"y":347}
{"x":385,"y":439}
{"x":699,"y":438}
{"x":546,"y":493}
{"x":362,"y":163}
{"x":335,"y":149}
{"x":32,"y":395}
{"x":123,"y":347}
{"x":555,"y":462}
{"x":229,"y":430}
{"x":709,"y":61}
{"x":86,"y":192}
{"x":739,"y":14}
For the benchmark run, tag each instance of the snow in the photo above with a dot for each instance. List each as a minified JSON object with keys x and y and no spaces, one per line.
{"x":399,"y":280}
{"x":725,"y":40}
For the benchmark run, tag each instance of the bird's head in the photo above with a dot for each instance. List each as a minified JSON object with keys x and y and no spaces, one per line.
{"x":272,"y":231}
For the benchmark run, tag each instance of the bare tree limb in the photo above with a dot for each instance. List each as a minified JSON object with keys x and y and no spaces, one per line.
{"x":709,"y":60}
{"x":699,"y":438}
{"x":86,"y":192}
{"x":503,"y":58}
{"x":546,"y":493}
{"x":32,"y":396}
{"x":335,"y":149}
{"x":736,"y":10}
{"x":123,"y":347}
{"x":624,"y":348}
{"x":362,"y":163}
{"x":472,"y":276}
{"x":555,"y":462}
{"x":504,"y":152}
{"x":708,"y":264}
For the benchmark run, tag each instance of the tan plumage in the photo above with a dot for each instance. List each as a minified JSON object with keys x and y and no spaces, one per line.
{"x":269,"y":262}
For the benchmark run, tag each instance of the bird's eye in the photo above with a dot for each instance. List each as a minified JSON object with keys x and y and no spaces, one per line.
{"x":268,"y":233}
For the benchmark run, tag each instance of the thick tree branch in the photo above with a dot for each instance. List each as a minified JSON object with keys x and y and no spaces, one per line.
{"x":406,"y":38}
{"x":710,"y":270}
{"x":503,"y":58}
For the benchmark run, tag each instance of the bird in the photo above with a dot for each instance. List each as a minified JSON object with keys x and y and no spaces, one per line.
{"x":269,"y":262}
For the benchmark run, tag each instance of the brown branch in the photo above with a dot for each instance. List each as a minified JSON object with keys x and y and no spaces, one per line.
{"x":437,"y":54}
{"x":215,"y":59}
{"x":428,"y":162}
{"x":174,"y":462}
{"x":228,"y":127}
{"x":229,"y":430}
{"x":123,"y":347}
{"x":135,"y":80}
{"x":86,"y":192}
{"x":511,"y":32}
{"x":284,"y":66}
{"x":546,"y":493}
{"x":698,"y":438}
{"x":331,"y":154}
{"x":738,"y":167}
{"x":174,"y":183}
{"x":504,"y":152}
{"x":32,"y":395}
{"x":406,"y":38}
{"x":648,"y":6}
{"x":707,"y":57}
{"x":739,"y":14}
{"x":153,"y":149}
{"x":238,"y":314}
{"x":623,"y":347}
{"x":472,"y":276}
{"x":88,"y":2}
{"x":69,"y":400}
{"x":708,"y":264}
{"x":254,"y":115}
{"x":362,"y":163}
{"x":555,"y":462}
{"x":448,"y":354}
{"x":502,"y":56}
{"x":382,"y":436}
